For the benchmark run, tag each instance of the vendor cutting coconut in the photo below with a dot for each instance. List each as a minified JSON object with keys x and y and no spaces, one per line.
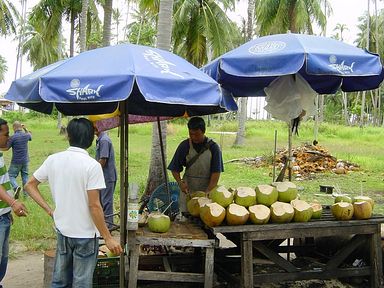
{"x":202,"y":160}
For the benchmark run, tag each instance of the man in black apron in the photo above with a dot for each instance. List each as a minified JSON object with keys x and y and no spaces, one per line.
{"x":202,"y":160}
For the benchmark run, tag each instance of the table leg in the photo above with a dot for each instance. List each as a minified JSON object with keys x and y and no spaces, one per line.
{"x":208,"y":270}
{"x":246,"y":262}
{"x":133,"y":259}
{"x":376,"y":260}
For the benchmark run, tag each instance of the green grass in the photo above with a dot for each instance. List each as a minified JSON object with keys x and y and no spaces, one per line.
{"x":361,"y":146}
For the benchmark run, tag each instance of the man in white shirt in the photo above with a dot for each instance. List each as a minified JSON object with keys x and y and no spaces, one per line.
{"x":75,"y":179}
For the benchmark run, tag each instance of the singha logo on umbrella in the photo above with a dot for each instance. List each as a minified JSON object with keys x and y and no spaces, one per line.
{"x":83,"y":93}
{"x":267,"y":47}
{"x":158,"y":61}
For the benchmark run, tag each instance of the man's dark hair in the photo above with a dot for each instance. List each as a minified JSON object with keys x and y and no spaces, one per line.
{"x":196,"y":123}
{"x":80,"y":133}
{"x":3,"y":122}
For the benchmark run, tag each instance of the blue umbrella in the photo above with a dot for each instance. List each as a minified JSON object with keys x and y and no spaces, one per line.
{"x":326,"y":64}
{"x":154,"y":82}
{"x":140,"y":80}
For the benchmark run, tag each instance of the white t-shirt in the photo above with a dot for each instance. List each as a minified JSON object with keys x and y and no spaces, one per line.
{"x":70,"y":174}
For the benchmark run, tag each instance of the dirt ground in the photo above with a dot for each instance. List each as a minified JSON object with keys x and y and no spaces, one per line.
{"x":26,"y":270}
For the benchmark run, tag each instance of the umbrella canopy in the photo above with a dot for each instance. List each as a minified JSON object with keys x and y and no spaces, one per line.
{"x":326,"y":64}
{"x":154,"y":82}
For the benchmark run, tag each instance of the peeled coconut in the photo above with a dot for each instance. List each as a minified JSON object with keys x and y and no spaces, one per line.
{"x":245,"y":196}
{"x":342,"y":210}
{"x":303,"y":211}
{"x":195,"y":203}
{"x":259,"y":214}
{"x":364,"y":198}
{"x":158,"y":222}
{"x":286,"y":190}
{"x":343,"y":198}
{"x":266,"y":194}
{"x":236,"y":214}
{"x":317,"y":210}
{"x":212,"y":214}
{"x":221,"y":196}
{"x":281,"y":212}
{"x":362,"y":210}
{"x":196,"y":194}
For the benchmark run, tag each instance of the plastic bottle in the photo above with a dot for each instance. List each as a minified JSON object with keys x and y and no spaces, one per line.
{"x":133,"y":207}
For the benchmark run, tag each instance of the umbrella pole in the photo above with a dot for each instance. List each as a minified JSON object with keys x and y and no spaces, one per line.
{"x":274,"y":158}
{"x":163,"y":162}
{"x":289,"y":160}
{"x":123,"y":189}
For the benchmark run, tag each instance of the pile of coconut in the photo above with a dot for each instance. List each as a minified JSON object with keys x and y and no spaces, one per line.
{"x":275,"y":203}
{"x":346,"y":208}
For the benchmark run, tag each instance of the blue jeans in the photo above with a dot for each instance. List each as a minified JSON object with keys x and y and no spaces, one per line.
{"x":5,"y":227}
{"x":14,"y":170}
{"x":75,"y":262}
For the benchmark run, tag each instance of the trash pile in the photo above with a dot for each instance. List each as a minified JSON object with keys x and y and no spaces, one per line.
{"x":307,"y":159}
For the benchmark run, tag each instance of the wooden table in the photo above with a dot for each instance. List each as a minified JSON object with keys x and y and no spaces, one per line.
{"x":253,"y":238}
{"x":180,"y":235}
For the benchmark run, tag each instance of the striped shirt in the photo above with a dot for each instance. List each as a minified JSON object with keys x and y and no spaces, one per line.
{"x":4,"y":181}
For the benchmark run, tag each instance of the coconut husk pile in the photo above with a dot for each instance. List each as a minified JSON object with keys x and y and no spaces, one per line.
{"x":307,"y":159}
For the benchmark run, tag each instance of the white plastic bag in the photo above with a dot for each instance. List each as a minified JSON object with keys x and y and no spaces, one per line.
{"x":288,"y":96}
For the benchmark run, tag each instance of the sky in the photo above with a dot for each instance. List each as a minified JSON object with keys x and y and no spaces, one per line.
{"x":344,"y":12}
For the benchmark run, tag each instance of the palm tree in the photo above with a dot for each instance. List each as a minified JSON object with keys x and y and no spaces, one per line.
{"x":156,"y":168}
{"x":3,"y":68}
{"x":117,"y":17}
{"x":143,"y":29}
{"x":242,"y":112}
{"x":8,"y":17}
{"x":202,"y":30}
{"x":297,"y":16}
{"x":83,"y":24}
{"x":107,"y":22}
{"x":339,"y":29}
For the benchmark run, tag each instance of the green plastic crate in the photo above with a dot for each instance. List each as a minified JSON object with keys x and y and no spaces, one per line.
{"x":106,"y":272}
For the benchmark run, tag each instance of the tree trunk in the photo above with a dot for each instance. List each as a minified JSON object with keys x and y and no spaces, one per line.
{"x":242,"y":117}
{"x":345,"y":107}
{"x":107,"y":22}
{"x":164,"y":30}
{"x":72,"y":36}
{"x":83,"y":24}
{"x":242,"y":112}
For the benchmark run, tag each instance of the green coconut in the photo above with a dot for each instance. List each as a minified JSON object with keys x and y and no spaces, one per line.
{"x":362,"y":210}
{"x":281,"y":212}
{"x":236,"y":214}
{"x":364,"y":198}
{"x":245,"y":196}
{"x":158,"y":222}
{"x":343,"y":198}
{"x":259,"y":214}
{"x":317,"y":210}
{"x":266,"y":194}
{"x":196,"y":194}
{"x":221,"y":196}
{"x":342,"y":210}
{"x":303,"y":211}
{"x":193,"y":205}
{"x":286,"y":190}
{"x":212,"y":214}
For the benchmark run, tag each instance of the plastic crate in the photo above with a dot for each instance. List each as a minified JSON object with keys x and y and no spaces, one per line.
{"x":107,"y":272}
